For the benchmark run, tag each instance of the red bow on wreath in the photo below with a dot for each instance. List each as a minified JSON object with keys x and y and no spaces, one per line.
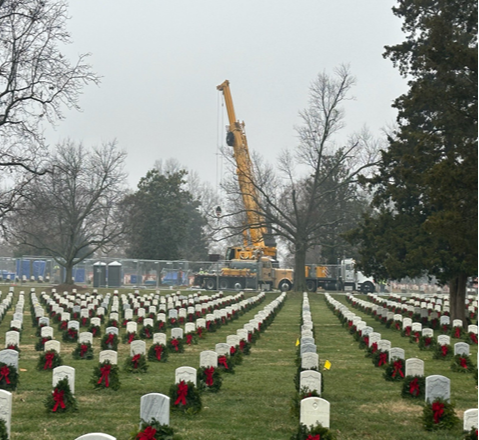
{"x":105,"y":374}
{"x":374,"y":347}
{"x":158,"y":351}
{"x":208,"y":323}
{"x":11,"y":347}
{"x":147,"y":333}
{"x":83,"y":321}
{"x":463,"y":362}
{"x":110,"y":338}
{"x":223,"y":361}
{"x":398,"y":327}
{"x":457,"y":332}
{"x":366,"y":340}
{"x":48,"y":360}
{"x":83,"y":349}
{"x":94,"y":330}
{"x":408,"y":331}
{"x":181,"y":393}
{"x":232,"y":350}
{"x":63,"y":325}
{"x":135,"y":359}
{"x":4,"y":372}
{"x":174,"y":342}
{"x":427,"y":341}
{"x":131,"y":336}
{"x":438,"y":410}
{"x":313,"y":437}
{"x":189,"y":338}
{"x":161,"y":324}
{"x":444,"y":350}
{"x":199,"y":331}
{"x":242,"y":345}
{"x":147,"y":434}
{"x":58,"y":399}
{"x":383,"y":359}
{"x":473,"y":337}
{"x":398,"y":369}
{"x":209,"y":375}
{"x":414,"y":387}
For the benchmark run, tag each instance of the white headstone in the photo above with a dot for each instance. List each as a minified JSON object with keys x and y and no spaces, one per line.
{"x":155,"y":406}
{"x":208,"y":358}
{"x":311,"y":380}
{"x":52,"y":345}
{"x":470,"y":419}
{"x":59,"y":373}
{"x":85,"y":337}
{"x":137,"y":347}
{"x":437,"y":387}
{"x":314,"y":410}
{"x":108,"y":355}
{"x":414,"y":367}
{"x":159,"y":338}
{"x":187,"y":374}
{"x":6,"y":408}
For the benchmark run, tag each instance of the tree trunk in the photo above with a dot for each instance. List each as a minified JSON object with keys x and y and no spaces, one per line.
{"x":457,"y":288}
{"x":299,"y":269}
{"x":68,"y":274}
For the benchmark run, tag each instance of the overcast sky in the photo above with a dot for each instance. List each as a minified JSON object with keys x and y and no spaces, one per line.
{"x":161,"y":61}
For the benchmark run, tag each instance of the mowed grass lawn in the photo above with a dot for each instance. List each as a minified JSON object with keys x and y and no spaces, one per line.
{"x":253,"y":403}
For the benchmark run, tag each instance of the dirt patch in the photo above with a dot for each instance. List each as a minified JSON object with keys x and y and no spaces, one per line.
{"x":400,"y":406}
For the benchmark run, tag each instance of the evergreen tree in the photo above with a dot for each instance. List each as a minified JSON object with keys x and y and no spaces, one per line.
{"x":425,"y":192}
{"x":164,"y":221}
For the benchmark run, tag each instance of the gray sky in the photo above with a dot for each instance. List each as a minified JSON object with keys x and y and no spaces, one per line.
{"x":162,"y":60}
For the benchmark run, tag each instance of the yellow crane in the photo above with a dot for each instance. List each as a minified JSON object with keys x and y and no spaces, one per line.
{"x":254,"y":246}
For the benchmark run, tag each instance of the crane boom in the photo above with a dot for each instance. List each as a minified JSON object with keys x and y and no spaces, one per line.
{"x":237,"y":139}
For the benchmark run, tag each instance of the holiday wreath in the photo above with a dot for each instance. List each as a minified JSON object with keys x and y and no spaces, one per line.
{"x":209,"y":378}
{"x":8,"y":377}
{"x":83,"y":350}
{"x":153,"y":430}
{"x":439,"y":414}
{"x":185,"y":397}
{"x":61,"y":399}
{"x":49,"y":360}
{"x":109,"y":342}
{"x":414,"y":387}
{"x":462,"y":363}
{"x":136,"y":364}
{"x":106,"y":375}
{"x":158,"y":353}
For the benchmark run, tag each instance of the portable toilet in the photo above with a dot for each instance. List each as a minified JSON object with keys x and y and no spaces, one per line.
{"x":99,"y":274}
{"x":114,"y":274}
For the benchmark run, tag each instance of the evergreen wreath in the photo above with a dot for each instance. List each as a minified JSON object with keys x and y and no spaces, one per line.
{"x":225,"y":365}
{"x":153,"y":430}
{"x":62,"y":325}
{"x":146,"y":332}
{"x":211,"y":326}
{"x":112,"y":323}
{"x":136,"y":364}
{"x":49,"y":360}
{"x":471,"y":338}
{"x":185,"y":397}
{"x":191,"y":338}
{"x":427,"y":343}
{"x":406,"y":332}
{"x":70,"y":335}
{"x":175,"y":345}
{"x":380,"y":358}
{"x":462,"y":363}
{"x":109,"y":342}
{"x":85,"y":322}
{"x":210,"y":379}
{"x":236,"y":356}
{"x":40,"y":345}
{"x":363,"y":342}
{"x":8,"y":377}
{"x":439,"y":414}
{"x":471,"y":435}
{"x":95,"y":330}
{"x":245,"y":347}
{"x":106,"y":375}
{"x":443,"y":352}
{"x":3,"y":430}
{"x":318,"y":432}
{"x":434,"y":323}
{"x":457,"y":332}
{"x":414,"y":387}
{"x":395,"y":370}
{"x":161,"y":326}
{"x":200,"y":331}
{"x":158,"y":353}
{"x":173,"y":322}
{"x":83,"y":351}
{"x":13,"y":347}
{"x":129,"y":337}
{"x":61,"y":399}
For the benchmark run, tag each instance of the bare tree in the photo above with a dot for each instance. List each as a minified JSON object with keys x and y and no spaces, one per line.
{"x":73,"y":212}
{"x":307,"y":195}
{"x":36,"y":83}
